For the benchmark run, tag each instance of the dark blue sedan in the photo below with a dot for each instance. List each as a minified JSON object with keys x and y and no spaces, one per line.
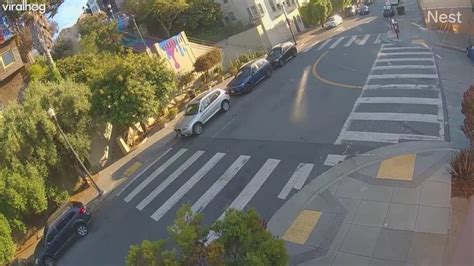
{"x":249,"y":76}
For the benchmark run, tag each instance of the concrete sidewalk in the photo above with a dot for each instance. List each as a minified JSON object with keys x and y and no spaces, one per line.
{"x":391,"y":206}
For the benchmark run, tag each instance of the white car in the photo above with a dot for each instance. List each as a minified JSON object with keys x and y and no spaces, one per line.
{"x":333,"y":21}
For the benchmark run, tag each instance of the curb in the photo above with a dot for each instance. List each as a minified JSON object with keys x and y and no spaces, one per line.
{"x":283,"y":218}
{"x":452,"y":47}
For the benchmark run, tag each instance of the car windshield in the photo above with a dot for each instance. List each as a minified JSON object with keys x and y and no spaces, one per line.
{"x":244,"y":72}
{"x":275,"y":52}
{"x":192,"y":109}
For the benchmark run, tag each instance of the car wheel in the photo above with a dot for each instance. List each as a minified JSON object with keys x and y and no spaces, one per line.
{"x":81,"y":230}
{"x":294,"y":53}
{"x":280,"y":63}
{"x":269,"y":73}
{"x":48,"y":261}
{"x":225,"y":106}
{"x":198,"y":129}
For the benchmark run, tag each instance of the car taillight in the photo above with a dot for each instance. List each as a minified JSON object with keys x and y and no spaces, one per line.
{"x":82,"y":210}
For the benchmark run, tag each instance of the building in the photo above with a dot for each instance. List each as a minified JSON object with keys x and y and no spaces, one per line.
{"x":12,"y":68}
{"x":270,"y":14}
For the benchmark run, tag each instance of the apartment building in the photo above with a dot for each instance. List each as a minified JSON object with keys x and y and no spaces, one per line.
{"x":12,"y":68}
{"x":270,"y":14}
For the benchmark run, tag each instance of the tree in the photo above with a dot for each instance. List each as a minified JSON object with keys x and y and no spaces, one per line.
{"x":339,"y":5}
{"x":34,"y":156}
{"x":133,"y":90}
{"x":64,"y":48}
{"x":171,"y":17}
{"x":41,"y":33}
{"x":6,"y":242}
{"x":242,"y":240}
{"x":87,"y":68}
{"x":98,"y":34}
{"x":162,"y":13}
{"x":207,"y":61}
{"x":200,"y":14}
{"x":316,"y":11}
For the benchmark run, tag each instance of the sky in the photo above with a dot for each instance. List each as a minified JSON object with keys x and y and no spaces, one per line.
{"x":68,"y":13}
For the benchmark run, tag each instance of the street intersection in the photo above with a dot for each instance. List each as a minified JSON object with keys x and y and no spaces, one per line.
{"x":343,"y":95}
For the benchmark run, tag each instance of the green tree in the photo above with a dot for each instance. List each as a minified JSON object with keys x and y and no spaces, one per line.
{"x":207,"y":61}
{"x":339,"y":5}
{"x":33,"y":150}
{"x":98,"y":34}
{"x":64,"y":48}
{"x":87,"y":68}
{"x":242,"y":240}
{"x":316,"y":11}
{"x":6,"y":242}
{"x":157,"y":13}
{"x":199,"y":15}
{"x":133,"y":90}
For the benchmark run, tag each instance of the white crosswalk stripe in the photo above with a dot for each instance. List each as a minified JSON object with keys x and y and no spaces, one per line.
{"x":205,"y":199}
{"x":358,"y":40}
{"x":154,"y":175}
{"x":142,"y":171}
{"x":385,"y":118}
{"x":170,"y":179}
{"x":339,"y":40}
{"x":297,"y":180}
{"x":186,"y":187}
{"x":253,"y":186}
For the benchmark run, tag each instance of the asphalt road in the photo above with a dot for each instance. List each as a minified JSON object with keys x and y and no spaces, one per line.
{"x":271,"y":142}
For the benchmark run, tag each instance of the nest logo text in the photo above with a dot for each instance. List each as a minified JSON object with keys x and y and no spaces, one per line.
{"x":438,"y":17}
{"x":23,"y":6}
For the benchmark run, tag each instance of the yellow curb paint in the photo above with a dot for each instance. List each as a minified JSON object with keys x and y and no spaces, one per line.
{"x":302,"y":226}
{"x":132,"y":169}
{"x":398,"y":168}
{"x":316,"y":74}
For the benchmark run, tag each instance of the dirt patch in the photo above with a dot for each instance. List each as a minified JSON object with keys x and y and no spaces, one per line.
{"x":461,"y":188}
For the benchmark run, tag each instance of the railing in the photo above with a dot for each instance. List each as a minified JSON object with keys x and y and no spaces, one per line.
{"x":203,"y":42}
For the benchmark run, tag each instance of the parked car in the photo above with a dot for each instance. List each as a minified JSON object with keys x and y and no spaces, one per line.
{"x":470,"y":52}
{"x":364,"y":10}
{"x":249,"y":76}
{"x":65,"y":224}
{"x":351,"y":11}
{"x":281,"y":53}
{"x":333,"y":21}
{"x":200,"y":110}
{"x":369,"y":2}
{"x":388,"y":11}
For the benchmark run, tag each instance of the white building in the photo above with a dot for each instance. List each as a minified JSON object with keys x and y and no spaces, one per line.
{"x":270,"y":14}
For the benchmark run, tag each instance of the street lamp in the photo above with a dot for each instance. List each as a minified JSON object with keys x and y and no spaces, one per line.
{"x":282,"y":4}
{"x":52,"y":115}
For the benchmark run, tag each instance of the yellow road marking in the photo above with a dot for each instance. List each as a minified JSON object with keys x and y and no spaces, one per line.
{"x":316,"y":74}
{"x":302,"y":226}
{"x":398,"y":168}
{"x":132,"y":169}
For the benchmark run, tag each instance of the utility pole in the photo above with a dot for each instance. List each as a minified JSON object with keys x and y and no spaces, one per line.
{"x":282,"y":4}
{"x":52,"y":114}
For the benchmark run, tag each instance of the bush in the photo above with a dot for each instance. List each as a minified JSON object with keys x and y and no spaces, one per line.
{"x":468,"y":111}
{"x":207,"y":61}
{"x":462,"y":165}
{"x":172,"y":112}
{"x":7,"y":252}
{"x":245,"y":58}
{"x":185,"y":79}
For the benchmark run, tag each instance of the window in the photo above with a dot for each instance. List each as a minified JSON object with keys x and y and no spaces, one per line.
{"x":250,"y":12}
{"x":254,"y":11}
{"x":214,"y":96}
{"x":7,"y":58}
{"x":260,"y":8}
{"x":52,"y":232}
{"x":272,"y":5}
{"x":288,"y":3}
{"x":205,"y":103}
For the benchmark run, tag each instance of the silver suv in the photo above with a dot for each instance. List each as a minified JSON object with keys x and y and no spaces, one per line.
{"x":200,"y":110}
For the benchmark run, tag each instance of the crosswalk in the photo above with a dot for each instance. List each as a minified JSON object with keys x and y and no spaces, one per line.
{"x":400,"y":101}
{"x":351,"y":40}
{"x":178,"y":173}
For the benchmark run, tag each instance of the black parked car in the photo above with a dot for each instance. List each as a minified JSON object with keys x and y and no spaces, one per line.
{"x":65,"y":224}
{"x":388,"y":11}
{"x":364,"y":10}
{"x":281,"y":53}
